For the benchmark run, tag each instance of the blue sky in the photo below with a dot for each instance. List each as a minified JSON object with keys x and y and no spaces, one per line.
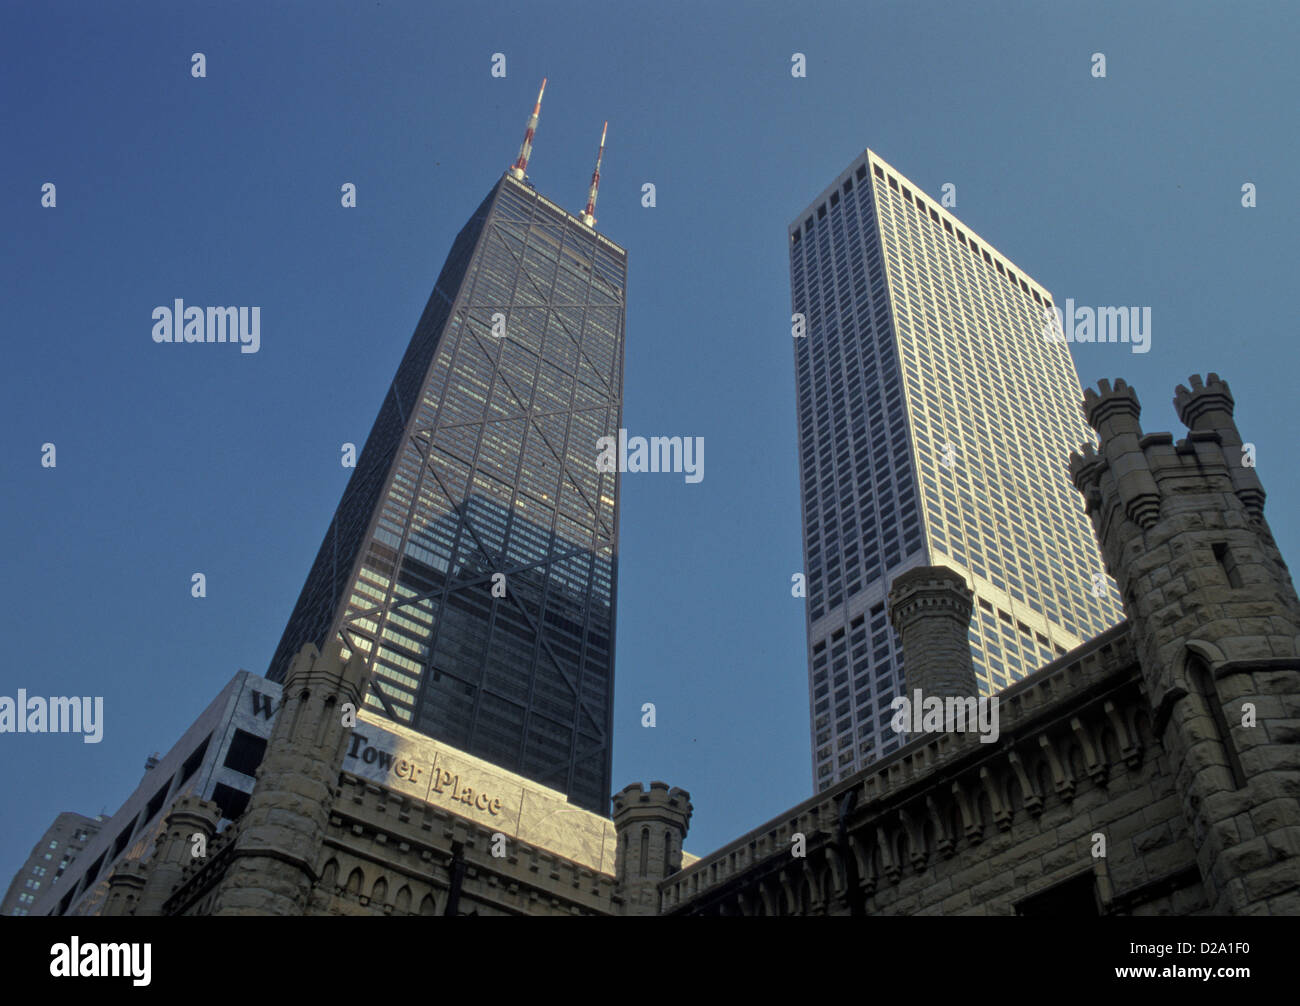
{"x":225,"y":190}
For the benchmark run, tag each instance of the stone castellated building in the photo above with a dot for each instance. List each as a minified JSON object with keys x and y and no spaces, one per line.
{"x":376,"y":819}
{"x":1153,"y":770}
{"x":1215,"y":623}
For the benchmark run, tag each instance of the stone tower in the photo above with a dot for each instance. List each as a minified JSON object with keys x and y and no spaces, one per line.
{"x":930,"y":607}
{"x":651,"y":827}
{"x":175,"y":849}
{"x":1215,"y":620}
{"x":124,"y":886}
{"x":277,"y":850}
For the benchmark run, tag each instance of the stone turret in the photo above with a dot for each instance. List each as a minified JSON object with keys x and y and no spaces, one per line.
{"x":277,"y":849}
{"x":1208,"y":406}
{"x":651,"y":827}
{"x":930,"y":607}
{"x":124,"y":888}
{"x":1216,"y":623}
{"x":175,"y":848}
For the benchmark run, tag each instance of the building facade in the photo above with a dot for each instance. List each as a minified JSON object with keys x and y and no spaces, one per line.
{"x":215,"y":760}
{"x":935,"y":420}
{"x":61,"y":844}
{"x":473,"y":558}
{"x":367,"y":817}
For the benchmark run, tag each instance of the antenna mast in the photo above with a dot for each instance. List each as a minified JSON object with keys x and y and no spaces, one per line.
{"x":520,"y":167}
{"x":589,"y":214}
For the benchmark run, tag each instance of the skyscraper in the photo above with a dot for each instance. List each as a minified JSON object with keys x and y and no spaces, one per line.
{"x":473,"y":556}
{"x":62,"y":842}
{"x":935,"y":419}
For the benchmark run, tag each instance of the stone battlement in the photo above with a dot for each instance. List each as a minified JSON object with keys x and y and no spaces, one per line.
{"x":659,"y":795}
{"x":1068,"y":731}
{"x":1134,"y":476}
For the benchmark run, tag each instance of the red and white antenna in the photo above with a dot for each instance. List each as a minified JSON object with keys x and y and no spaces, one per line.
{"x":520,"y":167}
{"x":588,"y":215}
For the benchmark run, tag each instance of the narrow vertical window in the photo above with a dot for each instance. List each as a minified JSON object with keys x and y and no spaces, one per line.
{"x":1223,"y":556}
{"x":1202,"y":682}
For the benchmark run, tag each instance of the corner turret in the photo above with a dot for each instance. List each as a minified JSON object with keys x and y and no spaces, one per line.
{"x":1216,"y":622}
{"x":651,"y":827}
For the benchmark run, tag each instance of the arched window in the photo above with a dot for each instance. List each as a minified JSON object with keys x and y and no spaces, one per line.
{"x":1044,"y":774}
{"x":1015,"y":795}
{"x":668,"y":853}
{"x":329,"y":876}
{"x":645,"y":851}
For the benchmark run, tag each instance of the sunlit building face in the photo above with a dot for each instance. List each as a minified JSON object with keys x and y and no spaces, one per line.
{"x":935,"y":420}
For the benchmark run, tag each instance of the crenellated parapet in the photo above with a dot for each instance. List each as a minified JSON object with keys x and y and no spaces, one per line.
{"x":658,"y":802}
{"x":1207,"y":407}
{"x":1119,"y":475}
{"x":389,"y":854}
{"x":1180,"y":523}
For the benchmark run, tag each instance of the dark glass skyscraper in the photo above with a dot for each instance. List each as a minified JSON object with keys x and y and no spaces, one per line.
{"x":473,"y":556}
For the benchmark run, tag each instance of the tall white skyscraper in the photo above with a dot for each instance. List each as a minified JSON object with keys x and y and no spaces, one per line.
{"x":936,"y":417}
